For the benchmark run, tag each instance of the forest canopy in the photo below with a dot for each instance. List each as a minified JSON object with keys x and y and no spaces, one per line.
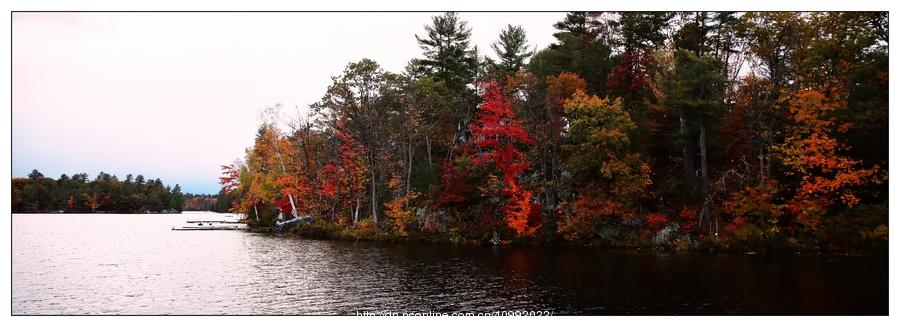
{"x":762,"y":130}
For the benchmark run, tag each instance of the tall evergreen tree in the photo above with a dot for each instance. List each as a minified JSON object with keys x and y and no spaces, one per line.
{"x":449,"y":59}
{"x":447,"y":52}
{"x":512,"y":49}
{"x":579,"y":49}
{"x":695,"y":92}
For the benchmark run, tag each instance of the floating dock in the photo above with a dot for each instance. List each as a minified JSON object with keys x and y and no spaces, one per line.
{"x":213,"y":227}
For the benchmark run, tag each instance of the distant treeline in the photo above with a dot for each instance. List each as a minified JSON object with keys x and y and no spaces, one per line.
{"x":106,"y":193}
{"x":207,"y":202}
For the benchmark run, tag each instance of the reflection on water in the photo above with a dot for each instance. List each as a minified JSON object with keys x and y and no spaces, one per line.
{"x":134,"y":264}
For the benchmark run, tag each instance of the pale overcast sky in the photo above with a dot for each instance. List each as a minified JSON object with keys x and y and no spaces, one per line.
{"x":175,"y":95}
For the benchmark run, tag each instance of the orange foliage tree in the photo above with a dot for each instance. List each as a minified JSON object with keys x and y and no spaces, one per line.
{"x":810,"y":153}
{"x":608,"y":179}
{"x":398,"y":209}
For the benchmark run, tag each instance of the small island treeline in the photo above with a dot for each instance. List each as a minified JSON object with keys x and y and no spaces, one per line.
{"x":104,"y":194}
{"x":757,"y":131}
{"x":220,"y":202}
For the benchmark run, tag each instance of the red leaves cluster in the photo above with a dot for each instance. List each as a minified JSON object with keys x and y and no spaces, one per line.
{"x":687,"y":213}
{"x":688,"y":218}
{"x":736,"y":224}
{"x":298,"y":187}
{"x":495,"y":133}
{"x":284,"y":204}
{"x":656,"y":221}
{"x":497,"y":128}
{"x":230,"y":178}
{"x":331,"y":181}
{"x":454,"y":186}
{"x":634,"y":71}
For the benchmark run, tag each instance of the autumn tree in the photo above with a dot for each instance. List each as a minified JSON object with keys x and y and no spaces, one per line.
{"x":848,"y":59}
{"x":810,"y":154}
{"x":637,"y":35}
{"x":230,"y":182}
{"x":399,"y":208}
{"x":258,"y":190}
{"x":496,"y":133}
{"x":547,"y":124}
{"x":310,"y":150}
{"x":357,"y":104}
{"x":608,"y":179}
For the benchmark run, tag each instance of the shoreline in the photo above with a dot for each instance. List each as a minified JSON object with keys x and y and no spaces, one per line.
{"x":683,"y":244}
{"x":720,"y":246}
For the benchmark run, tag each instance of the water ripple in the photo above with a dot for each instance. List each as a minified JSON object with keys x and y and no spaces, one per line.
{"x":121,"y":264}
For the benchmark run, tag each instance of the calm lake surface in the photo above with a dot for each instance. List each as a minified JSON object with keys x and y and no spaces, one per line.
{"x":134,"y":264}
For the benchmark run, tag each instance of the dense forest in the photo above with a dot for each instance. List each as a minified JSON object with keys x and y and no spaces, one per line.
{"x":735,"y":131}
{"x":106,"y":193}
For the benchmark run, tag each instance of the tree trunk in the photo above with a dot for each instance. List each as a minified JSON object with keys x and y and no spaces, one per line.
{"x":557,"y":172}
{"x":409,"y":152}
{"x":374,"y":196}
{"x":762,"y":165}
{"x":687,"y":155}
{"x":545,"y":177}
{"x":704,"y":175}
{"x":356,"y":213}
{"x":428,"y":147}
{"x":333,"y":207}
{"x":553,"y":155}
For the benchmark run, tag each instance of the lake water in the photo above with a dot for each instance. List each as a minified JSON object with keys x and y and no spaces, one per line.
{"x":135,"y":264}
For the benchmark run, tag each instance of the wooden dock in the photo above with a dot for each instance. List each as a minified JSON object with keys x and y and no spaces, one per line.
{"x":210,"y":227}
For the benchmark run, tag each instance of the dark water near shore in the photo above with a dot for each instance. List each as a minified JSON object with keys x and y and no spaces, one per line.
{"x":134,"y":264}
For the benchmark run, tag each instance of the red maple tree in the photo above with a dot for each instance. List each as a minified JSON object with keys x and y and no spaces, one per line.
{"x":496,"y":132}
